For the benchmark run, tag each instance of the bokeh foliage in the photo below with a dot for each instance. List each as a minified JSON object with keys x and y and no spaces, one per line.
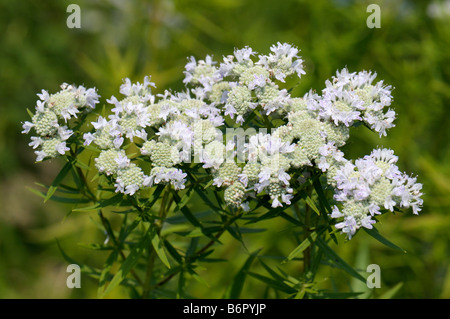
{"x":118,"y":39}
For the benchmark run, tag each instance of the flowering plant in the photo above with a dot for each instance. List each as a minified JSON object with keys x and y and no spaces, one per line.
{"x":240,"y":143}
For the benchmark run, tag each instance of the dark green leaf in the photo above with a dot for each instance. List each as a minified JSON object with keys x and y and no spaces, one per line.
{"x":272,"y":272}
{"x":187,"y":213}
{"x":192,"y":246}
{"x":291,"y":219}
{"x":238,"y":281}
{"x":246,"y":230}
{"x":181,"y":284}
{"x":185,"y":199}
{"x":173,"y":252}
{"x":95,"y":246}
{"x":114,"y":200}
{"x":275,"y":284}
{"x":155,"y":195}
{"x":311,"y":204}
{"x":207,"y":201}
{"x":300,"y":248}
{"x":322,"y":198}
{"x":180,"y":219}
{"x":375,"y":234}
{"x":127,"y":230}
{"x":58,"y":179}
{"x":235,"y":233}
{"x":159,"y":249}
{"x":197,"y":277}
{"x":338,"y":261}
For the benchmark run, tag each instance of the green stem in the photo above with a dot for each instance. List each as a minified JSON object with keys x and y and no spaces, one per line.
{"x":307,"y":232}
{"x":164,"y":209}
{"x":148,"y":273}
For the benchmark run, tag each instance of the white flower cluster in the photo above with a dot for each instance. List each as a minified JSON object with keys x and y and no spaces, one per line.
{"x":132,"y":117}
{"x":351,"y":97}
{"x":51,"y":111}
{"x":244,"y":91}
{"x":367,"y":186}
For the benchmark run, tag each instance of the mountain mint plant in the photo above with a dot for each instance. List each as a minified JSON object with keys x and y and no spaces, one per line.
{"x":238,"y":142}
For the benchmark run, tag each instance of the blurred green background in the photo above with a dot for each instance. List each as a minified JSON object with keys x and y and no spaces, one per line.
{"x":118,"y":39}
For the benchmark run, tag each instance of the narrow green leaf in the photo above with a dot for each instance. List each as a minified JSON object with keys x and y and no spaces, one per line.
{"x":181,"y":284}
{"x":330,"y":229}
{"x":127,"y":230}
{"x":116,"y":199}
{"x":392,"y":292}
{"x":315,"y":262}
{"x":66,"y":200}
{"x":198,"y":232}
{"x":249,"y":118}
{"x":173,"y":252}
{"x":77,"y":179}
{"x":95,"y":246}
{"x":105,"y":272}
{"x":159,"y":249}
{"x":235,"y":233}
{"x":324,"y":206}
{"x":207,"y":201}
{"x":275,"y":284}
{"x":272,"y":272}
{"x":292,"y":219}
{"x":181,"y":219}
{"x":185,"y":199}
{"x":192,"y":247}
{"x":338,"y":261}
{"x":195,"y":233}
{"x":30,"y":113}
{"x":322,"y":198}
{"x":155,"y":196}
{"x":246,"y":230}
{"x":81,"y":165}
{"x":275,"y":212}
{"x":375,"y":234}
{"x":238,"y":281}
{"x":212,"y":260}
{"x":311,"y":204}
{"x":58,"y":179}
{"x":187,"y":213}
{"x":208,"y":184}
{"x":111,"y":201}
{"x":95,"y":177}
{"x":272,"y":213}
{"x":62,"y":189}
{"x":197,"y":277}
{"x":300,"y":248}
{"x":92,"y":148}
{"x":88,"y":208}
